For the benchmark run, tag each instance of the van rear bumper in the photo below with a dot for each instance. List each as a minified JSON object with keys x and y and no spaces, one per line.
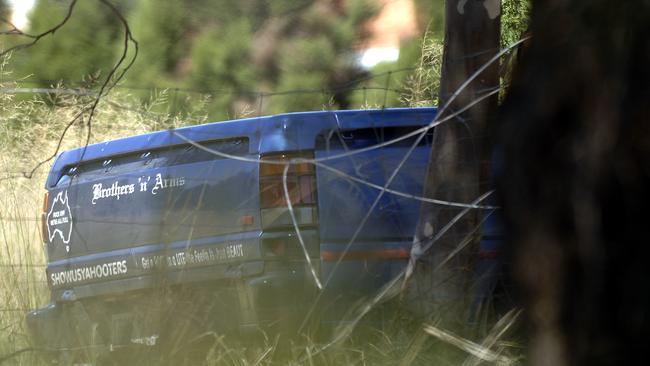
{"x":263,"y":298}
{"x":281,"y":299}
{"x":46,"y":328}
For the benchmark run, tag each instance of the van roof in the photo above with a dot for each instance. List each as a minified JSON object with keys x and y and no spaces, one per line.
{"x":267,"y":134}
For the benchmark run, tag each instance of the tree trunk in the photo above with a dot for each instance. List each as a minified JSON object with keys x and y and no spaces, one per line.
{"x":457,"y":170}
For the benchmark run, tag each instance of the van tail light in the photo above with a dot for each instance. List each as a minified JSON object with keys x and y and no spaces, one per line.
{"x":44,"y":233}
{"x":301,"y":182}
{"x":301,"y":185}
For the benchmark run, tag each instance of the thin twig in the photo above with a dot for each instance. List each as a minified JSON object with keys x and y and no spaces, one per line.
{"x":38,"y":37}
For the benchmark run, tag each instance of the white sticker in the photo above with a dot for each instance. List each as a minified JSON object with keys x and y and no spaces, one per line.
{"x":59,"y":219}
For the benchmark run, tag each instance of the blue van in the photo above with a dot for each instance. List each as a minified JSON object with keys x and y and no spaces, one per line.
{"x":188,"y":230}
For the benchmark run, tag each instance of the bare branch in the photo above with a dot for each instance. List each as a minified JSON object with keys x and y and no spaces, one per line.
{"x":14,"y":31}
{"x":37,"y":37}
{"x":113,"y":77}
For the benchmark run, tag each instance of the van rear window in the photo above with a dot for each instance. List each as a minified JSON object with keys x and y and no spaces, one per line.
{"x":150,"y":159}
{"x":365,"y":137}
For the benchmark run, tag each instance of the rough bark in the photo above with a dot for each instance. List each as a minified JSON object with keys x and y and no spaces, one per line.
{"x":457,"y":171}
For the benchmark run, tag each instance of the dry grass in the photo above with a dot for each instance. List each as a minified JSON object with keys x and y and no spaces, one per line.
{"x":30,"y":132}
{"x":422,"y":87}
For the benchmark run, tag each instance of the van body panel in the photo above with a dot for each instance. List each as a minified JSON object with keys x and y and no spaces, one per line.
{"x":129,"y":216}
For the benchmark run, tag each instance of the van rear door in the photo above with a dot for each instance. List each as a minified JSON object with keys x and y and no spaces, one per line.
{"x":174,"y":206}
{"x":380,"y":246}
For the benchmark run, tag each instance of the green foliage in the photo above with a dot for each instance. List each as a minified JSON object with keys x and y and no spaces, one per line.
{"x":317,"y":55}
{"x":159,"y":27}
{"x":430,"y":15}
{"x":515,"y":15}
{"x":305,"y":65}
{"x":221,"y":68}
{"x":287,"y":7}
{"x":234,"y":47}
{"x":229,"y":46}
{"x":84,"y":46}
{"x":165,"y":30}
